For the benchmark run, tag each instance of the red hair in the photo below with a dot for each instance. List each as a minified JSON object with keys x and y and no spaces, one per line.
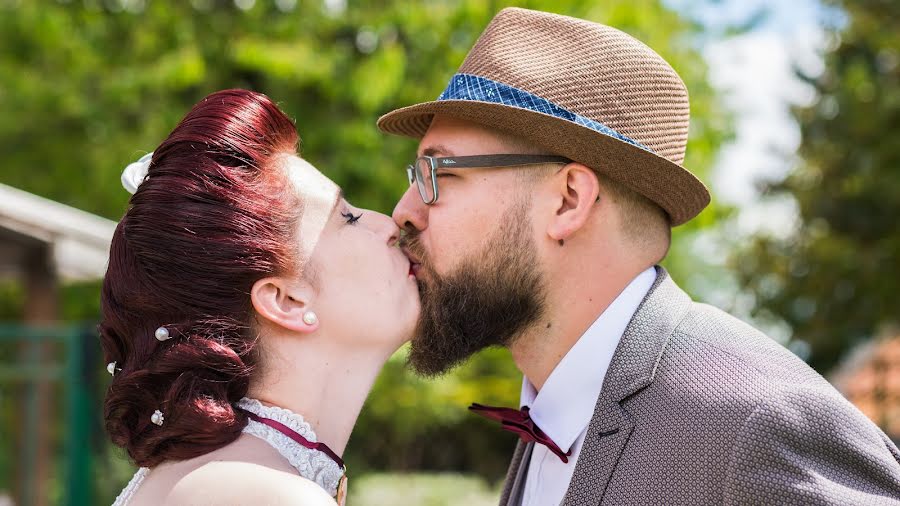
{"x":212,"y":217}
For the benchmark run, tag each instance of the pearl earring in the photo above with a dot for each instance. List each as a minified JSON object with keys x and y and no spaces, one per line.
{"x":310,"y":318}
{"x":162,"y":334}
{"x":111,"y":368}
{"x":157,"y":417}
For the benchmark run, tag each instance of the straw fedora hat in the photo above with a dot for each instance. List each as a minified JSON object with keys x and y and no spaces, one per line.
{"x":579,"y":89}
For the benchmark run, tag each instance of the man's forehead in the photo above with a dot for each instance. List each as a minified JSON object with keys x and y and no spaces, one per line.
{"x":447,"y":136}
{"x":437,"y":150}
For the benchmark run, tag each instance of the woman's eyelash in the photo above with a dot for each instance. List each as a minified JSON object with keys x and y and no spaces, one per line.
{"x":350,"y":218}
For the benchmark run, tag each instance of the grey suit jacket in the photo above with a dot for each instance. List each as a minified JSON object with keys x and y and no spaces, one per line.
{"x":700,"y":408}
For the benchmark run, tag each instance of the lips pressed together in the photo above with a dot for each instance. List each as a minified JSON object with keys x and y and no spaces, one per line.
{"x":414,"y":263}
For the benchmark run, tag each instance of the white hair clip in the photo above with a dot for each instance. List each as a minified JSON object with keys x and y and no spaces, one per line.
{"x":135,"y":173}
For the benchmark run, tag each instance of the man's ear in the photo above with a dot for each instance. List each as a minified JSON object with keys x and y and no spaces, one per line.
{"x":283,"y":302}
{"x":577,"y":189}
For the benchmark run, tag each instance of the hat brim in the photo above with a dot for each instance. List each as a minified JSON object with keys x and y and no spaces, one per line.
{"x":668,"y":184}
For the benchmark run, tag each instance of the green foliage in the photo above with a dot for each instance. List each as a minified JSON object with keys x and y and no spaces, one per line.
{"x":90,"y":86}
{"x":422,"y":490}
{"x":88,"y":89}
{"x":410,"y":423}
{"x":834,"y":279}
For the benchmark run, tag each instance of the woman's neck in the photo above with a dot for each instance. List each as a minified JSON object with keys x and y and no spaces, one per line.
{"x":326,"y":385}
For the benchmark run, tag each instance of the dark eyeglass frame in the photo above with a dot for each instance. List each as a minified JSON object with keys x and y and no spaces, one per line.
{"x":472,"y":162}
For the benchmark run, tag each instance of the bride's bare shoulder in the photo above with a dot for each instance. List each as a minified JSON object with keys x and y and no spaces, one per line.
{"x":231,"y":482}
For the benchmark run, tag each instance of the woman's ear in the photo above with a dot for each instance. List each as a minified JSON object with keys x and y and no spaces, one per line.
{"x":577,"y":189}
{"x":284,"y":303}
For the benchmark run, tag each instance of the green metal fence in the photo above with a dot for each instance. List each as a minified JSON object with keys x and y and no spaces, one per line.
{"x":69,"y":370}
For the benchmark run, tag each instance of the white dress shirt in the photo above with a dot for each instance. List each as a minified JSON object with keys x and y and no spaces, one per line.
{"x":564,"y":406}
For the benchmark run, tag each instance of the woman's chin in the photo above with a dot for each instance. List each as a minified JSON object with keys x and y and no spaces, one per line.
{"x":405,"y":335}
{"x":409,"y":331}
{"x":393,"y":339}
{"x":402,"y":328}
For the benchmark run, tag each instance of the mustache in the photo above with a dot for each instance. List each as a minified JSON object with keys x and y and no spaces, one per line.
{"x":411,"y":243}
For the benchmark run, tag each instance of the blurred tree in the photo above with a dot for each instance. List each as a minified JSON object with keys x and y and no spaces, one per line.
{"x":89,"y":86}
{"x":834,"y":279}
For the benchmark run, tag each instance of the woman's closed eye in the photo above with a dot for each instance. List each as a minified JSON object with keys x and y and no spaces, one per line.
{"x":351,"y":219}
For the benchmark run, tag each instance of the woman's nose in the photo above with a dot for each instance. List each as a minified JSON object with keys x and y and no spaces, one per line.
{"x":385,"y":227}
{"x":394,"y":232}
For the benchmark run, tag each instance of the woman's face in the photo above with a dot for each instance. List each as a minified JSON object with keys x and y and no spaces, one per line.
{"x":365,"y":290}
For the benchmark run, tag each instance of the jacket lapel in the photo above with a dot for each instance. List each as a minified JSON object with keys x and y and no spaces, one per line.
{"x":516,"y":474}
{"x":632,"y":368}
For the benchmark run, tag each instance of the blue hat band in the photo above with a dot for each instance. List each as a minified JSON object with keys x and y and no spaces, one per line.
{"x":480,"y":89}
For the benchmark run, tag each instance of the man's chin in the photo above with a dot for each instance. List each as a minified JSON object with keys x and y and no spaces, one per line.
{"x":424,"y":362}
{"x":486,"y":300}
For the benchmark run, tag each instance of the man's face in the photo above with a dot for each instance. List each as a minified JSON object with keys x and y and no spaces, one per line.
{"x":476,"y":258}
{"x":472,"y":202}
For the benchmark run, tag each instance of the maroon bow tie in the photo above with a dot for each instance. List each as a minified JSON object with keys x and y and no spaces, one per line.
{"x":518,"y":421}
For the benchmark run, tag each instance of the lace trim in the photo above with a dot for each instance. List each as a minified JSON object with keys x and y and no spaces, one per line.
{"x":311,"y":464}
{"x":128,"y":492}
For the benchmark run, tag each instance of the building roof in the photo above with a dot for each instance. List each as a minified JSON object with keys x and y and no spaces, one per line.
{"x":79,"y":241}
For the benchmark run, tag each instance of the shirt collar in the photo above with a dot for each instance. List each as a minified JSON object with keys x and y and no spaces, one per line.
{"x":564,"y":406}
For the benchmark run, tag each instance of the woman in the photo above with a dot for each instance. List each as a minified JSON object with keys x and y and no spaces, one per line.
{"x":247,"y":310}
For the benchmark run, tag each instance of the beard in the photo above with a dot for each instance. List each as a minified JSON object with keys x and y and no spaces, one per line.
{"x":488,"y":300}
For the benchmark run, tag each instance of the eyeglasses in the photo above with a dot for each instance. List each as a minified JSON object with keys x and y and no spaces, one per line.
{"x":422,"y":171}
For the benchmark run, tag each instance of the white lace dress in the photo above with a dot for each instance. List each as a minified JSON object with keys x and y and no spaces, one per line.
{"x":310,"y":464}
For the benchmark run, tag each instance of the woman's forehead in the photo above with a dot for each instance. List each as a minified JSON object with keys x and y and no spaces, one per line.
{"x":319,"y":196}
{"x":310,"y":183}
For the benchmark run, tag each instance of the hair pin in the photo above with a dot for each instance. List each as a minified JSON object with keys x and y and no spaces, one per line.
{"x":162,"y":334}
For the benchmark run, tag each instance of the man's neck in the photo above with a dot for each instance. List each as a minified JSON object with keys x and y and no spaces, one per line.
{"x":569,"y":313}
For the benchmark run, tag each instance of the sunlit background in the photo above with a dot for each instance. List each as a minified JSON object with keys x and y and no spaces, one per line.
{"x":795,"y":120}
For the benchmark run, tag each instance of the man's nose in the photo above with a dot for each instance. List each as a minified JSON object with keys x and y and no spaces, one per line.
{"x":410,"y":211}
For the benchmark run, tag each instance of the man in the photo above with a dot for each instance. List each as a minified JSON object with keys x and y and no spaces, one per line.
{"x":632,"y":393}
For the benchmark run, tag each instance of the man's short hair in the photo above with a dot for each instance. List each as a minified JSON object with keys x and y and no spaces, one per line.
{"x":643,"y":223}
